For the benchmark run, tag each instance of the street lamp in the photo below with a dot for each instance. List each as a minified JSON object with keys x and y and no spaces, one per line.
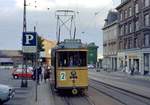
{"x":24,"y":83}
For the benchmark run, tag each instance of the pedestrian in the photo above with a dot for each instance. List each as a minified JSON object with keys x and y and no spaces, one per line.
{"x":39,"y":71}
{"x":132,"y":70}
{"x":42,"y":73}
{"x":34,"y":74}
{"x":71,"y":62}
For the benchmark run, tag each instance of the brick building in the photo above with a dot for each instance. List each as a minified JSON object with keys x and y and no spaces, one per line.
{"x":134,"y":35}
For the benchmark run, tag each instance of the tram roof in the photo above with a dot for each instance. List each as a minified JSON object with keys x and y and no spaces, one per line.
{"x":71,"y":44}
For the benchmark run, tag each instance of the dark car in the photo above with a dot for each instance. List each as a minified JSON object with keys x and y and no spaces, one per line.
{"x":6,"y":93}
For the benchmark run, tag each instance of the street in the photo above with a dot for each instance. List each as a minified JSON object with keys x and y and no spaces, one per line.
{"x":21,"y":94}
{"x":99,"y":93}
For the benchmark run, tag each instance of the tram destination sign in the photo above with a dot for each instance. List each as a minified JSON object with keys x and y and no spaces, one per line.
{"x":29,"y":43}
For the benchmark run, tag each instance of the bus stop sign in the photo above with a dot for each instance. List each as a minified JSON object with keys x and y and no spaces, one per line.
{"x":29,"y":43}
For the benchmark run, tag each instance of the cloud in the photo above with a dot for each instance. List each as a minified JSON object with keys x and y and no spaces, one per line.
{"x":90,"y":20}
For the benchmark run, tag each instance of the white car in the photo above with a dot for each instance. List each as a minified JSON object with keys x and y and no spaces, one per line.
{"x":90,"y":66}
{"x":6,"y":93}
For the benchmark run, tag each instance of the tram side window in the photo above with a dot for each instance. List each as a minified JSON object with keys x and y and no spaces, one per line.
{"x":72,"y":59}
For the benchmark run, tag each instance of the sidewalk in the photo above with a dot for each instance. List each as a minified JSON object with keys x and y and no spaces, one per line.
{"x":126,"y":75}
{"x":109,"y":79}
{"x":44,"y":95}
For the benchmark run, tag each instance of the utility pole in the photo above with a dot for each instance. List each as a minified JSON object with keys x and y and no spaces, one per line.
{"x":24,"y":82}
{"x":24,"y":18}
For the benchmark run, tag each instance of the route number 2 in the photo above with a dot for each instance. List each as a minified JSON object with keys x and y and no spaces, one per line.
{"x":62,"y":76}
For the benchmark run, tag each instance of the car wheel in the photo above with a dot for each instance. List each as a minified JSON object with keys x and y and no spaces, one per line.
{"x":15,"y":77}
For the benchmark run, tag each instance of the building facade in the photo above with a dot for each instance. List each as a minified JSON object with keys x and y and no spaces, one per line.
{"x":110,"y":34}
{"x":134,"y":35}
{"x":92,"y":53}
{"x":10,"y":58}
{"x":48,"y":45}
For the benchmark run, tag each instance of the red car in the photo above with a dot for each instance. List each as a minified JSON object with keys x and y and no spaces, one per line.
{"x":18,"y":73}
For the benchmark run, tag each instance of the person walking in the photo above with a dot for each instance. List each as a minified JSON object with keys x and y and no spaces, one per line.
{"x":45,"y":74}
{"x":132,"y":70}
{"x":39,"y":71}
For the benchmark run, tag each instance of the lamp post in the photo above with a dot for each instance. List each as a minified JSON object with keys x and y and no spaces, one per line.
{"x":24,"y":83}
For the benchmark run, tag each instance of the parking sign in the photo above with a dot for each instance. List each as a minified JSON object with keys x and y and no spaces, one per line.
{"x":29,"y":42}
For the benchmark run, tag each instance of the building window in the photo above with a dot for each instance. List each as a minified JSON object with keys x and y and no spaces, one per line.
{"x":121,"y":16}
{"x":130,"y":11}
{"x":126,"y":13}
{"x":121,"y":30}
{"x":130,"y":27}
{"x":125,"y":43}
{"x":137,"y":25}
{"x":146,"y":62}
{"x":126,"y":29}
{"x":120,"y":45}
{"x":135,"y":42}
{"x":147,"y":40}
{"x":146,"y":20}
{"x":146,"y":3}
{"x":136,"y":8}
{"x":130,"y":43}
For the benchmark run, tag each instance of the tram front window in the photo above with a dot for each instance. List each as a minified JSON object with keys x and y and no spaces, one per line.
{"x":72,"y":59}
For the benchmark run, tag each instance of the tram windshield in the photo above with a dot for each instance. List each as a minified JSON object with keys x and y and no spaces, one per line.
{"x":72,"y":59}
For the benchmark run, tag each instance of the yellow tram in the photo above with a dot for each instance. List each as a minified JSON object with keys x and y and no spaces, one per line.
{"x":69,"y":61}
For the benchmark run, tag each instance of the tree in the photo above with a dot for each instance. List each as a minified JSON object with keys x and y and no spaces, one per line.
{"x":40,"y":46}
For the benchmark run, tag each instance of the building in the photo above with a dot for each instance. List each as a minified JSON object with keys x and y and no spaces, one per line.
{"x":48,"y":45}
{"x":110,"y":35}
{"x":10,"y":58}
{"x":92,"y":53}
{"x":134,"y":35}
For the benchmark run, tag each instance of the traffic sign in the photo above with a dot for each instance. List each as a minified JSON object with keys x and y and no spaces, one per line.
{"x":29,"y":42}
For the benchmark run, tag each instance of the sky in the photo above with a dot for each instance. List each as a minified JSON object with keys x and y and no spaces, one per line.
{"x":88,"y":24}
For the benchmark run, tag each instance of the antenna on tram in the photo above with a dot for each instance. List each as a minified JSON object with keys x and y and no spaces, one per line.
{"x":65,"y":19}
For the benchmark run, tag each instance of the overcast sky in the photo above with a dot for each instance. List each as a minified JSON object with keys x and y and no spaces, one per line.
{"x":88,"y":24}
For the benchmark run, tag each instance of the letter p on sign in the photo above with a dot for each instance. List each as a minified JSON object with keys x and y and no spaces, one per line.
{"x":28,"y":39}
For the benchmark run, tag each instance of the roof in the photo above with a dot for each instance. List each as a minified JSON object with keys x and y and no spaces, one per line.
{"x":10,"y":53}
{"x":92,"y":45}
{"x":111,"y":17}
{"x":71,"y":43}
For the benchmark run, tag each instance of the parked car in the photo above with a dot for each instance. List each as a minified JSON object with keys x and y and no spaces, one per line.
{"x":6,"y":93}
{"x":21,"y":73}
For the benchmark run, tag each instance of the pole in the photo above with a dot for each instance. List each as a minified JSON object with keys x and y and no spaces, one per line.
{"x":24,"y":18}
{"x":36,"y":66}
{"x":24,"y":83}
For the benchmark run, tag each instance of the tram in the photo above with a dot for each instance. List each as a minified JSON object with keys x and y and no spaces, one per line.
{"x":69,"y":63}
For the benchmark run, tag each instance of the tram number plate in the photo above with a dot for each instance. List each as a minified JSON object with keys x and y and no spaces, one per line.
{"x":62,"y":76}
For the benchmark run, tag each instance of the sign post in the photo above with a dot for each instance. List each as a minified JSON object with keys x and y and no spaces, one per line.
{"x":29,"y":46}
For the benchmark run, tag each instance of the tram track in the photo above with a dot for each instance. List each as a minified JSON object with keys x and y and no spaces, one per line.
{"x":69,"y":99}
{"x":120,"y":95}
{"x":75,"y":100}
